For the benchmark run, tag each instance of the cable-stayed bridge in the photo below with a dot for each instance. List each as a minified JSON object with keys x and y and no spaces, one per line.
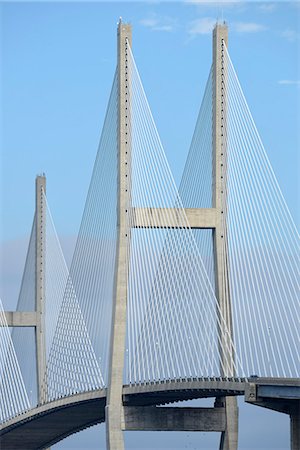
{"x":172,"y":294}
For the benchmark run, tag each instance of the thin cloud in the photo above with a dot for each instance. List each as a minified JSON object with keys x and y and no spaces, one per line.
{"x":220,"y":3}
{"x":201,"y":26}
{"x":156,"y":23}
{"x":267,"y":7}
{"x":148,"y":22}
{"x":290,"y":35}
{"x":167,"y":28}
{"x":289,"y":82}
{"x":205,"y":25}
{"x":248,"y":27}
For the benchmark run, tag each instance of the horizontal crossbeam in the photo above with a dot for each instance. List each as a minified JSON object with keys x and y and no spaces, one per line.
{"x":20,"y":318}
{"x":152,"y":418}
{"x":198,"y":218}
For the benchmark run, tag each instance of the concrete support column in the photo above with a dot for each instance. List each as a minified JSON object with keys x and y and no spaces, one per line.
{"x":295,"y":430}
{"x":219,"y":201}
{"x":40,"y":217}
{"x":114,"y":408}
{"x":229,"y":437}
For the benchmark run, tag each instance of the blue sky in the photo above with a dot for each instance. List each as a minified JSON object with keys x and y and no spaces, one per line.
{"x":57,"y":65}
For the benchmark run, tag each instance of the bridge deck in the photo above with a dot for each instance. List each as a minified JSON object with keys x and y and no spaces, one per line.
{"x":46,"y":425}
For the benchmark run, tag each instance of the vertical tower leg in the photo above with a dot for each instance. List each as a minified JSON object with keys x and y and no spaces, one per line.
{"x":295,"y":429}
{"x":113,"y":412}
{"x":40,"y":272}
{"x":229,"y":437}
{"x":40,"y":217}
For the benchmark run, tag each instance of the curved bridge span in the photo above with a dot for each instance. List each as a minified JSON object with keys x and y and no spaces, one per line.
{"x":46,"y":425}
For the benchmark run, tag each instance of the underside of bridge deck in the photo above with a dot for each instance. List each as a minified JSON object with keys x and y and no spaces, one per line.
{"x":282,"y":396}
{"x":48,"y":424}
{"x":45,"y":426}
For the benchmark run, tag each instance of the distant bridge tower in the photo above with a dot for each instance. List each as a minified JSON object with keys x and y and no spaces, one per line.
{"x":40,"y":287}
{"x":36,"y":318}
{"x":115,"y":411}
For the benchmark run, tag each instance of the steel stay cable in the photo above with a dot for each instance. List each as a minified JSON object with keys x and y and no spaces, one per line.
{"x":90,"y":195}
{"x":269,"y":167}
{"x":20,"y":398}
{"x":189,"y":168}
{"x":264,"y":184}
{"x":239,"y":172}
{"x":61,"y":254}
{"x":242,"y":237}
{"x":280,"y":314}
{"x":147,"y":153}
{"x":95,"y":226}
{"x":243,"y":275}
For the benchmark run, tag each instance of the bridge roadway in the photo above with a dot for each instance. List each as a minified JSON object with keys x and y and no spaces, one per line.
{"x":47,"y":424}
